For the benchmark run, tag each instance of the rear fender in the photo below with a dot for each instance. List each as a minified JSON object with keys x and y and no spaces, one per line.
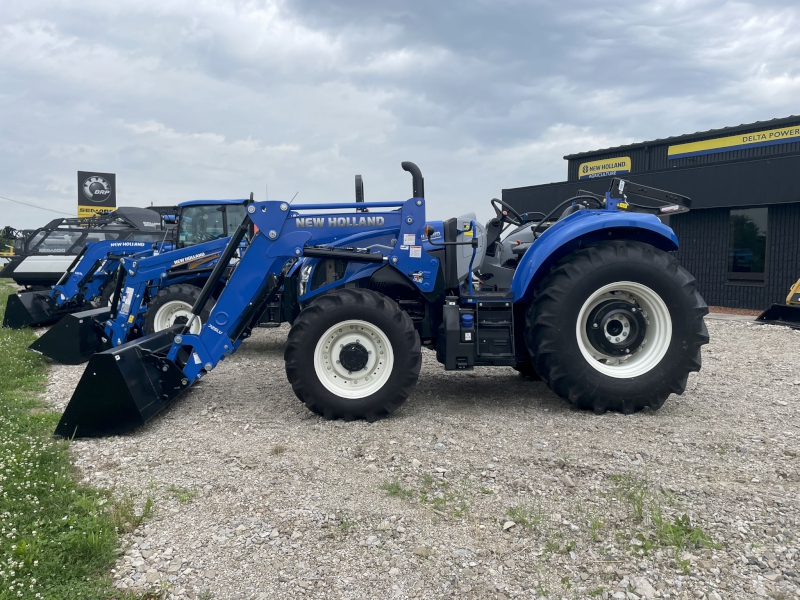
{"x":577,"y":231}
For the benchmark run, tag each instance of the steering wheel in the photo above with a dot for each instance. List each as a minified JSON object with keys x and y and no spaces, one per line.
{"x":506,"y":212}
{"x":206,"y":237}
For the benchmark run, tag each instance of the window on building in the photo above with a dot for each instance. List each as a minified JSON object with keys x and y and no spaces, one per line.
{"x":747,"y":245}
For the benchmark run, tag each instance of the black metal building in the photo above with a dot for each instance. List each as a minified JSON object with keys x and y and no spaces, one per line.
{"x":741,"y":240}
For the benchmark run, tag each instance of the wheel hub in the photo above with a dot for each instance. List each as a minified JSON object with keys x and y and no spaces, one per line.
{"x":354,"y":356}
{"x":616,"y":327}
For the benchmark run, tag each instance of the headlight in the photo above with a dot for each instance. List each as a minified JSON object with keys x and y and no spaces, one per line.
{"x":305,"y":274}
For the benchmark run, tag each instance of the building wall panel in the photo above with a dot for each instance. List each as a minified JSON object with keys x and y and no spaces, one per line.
{"x":703,"y":235}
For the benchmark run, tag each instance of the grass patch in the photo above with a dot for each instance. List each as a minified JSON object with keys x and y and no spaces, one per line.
{"x":345,"y":525}
{"x":125,"y":516}
{"x":527,"y":516}
{"x":652,"y":526}
{"x":181,"y":494}
{"x":395,"y":490}
{"x":433,"y":493}
{"x":56,"y":538}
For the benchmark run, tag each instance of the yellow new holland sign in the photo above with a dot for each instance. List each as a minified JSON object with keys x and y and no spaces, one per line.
{"x":602,"y":168}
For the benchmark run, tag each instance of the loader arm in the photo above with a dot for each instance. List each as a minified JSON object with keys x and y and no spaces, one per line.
{"x":77,"y":336}
{"x":143,"y":273}
{"x":83,"y":281}
{"x":91,"y":269}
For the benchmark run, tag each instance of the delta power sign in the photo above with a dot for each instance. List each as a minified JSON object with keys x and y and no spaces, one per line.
{"x":97,"y":193}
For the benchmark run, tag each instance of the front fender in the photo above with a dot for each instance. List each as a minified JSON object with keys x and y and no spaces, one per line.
{"x":580,"y":229}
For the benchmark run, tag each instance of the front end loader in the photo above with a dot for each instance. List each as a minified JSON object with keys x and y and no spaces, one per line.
{"x":87,"y":282}
{"x":595,"y":306}
{"x":149,"y":293}
{"x":787,"y":314}
{"x":84,"y":285}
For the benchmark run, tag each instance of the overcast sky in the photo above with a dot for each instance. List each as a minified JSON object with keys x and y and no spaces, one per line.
{"x":188,"y":99}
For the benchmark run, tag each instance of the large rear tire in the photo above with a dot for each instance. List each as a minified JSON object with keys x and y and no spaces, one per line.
{"x":616,"y":326}
{"x":353,"y":354}
{"x":172,"y":305}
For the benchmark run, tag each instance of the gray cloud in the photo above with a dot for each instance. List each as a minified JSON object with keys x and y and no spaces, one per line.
{"x":215,"y":99}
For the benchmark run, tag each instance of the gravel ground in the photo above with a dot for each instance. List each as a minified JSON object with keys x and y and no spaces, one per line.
{"x":484,"y":485}
{"x":734,"y":311}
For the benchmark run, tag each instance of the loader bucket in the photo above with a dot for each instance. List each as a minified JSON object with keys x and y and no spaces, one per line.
{"x":75,"y":338}
{"x":781,"y":314}
{"x":123,"y":388}
{"x":29,"y":309}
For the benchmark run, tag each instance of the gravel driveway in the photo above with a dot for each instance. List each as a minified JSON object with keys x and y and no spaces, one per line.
{"x":484,"y":485}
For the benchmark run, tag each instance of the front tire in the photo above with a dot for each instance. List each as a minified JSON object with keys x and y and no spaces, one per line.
{"x":616,"y":326}
{"x":353,"y":354}
{"x":172,"y":306}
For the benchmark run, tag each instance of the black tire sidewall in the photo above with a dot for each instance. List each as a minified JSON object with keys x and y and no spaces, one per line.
{"x":584,"y":381}
{"x":406,"y":360}
{"x":646,"y":275}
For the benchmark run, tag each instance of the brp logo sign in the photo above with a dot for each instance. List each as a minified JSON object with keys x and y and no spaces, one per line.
{"x":96,"y":189}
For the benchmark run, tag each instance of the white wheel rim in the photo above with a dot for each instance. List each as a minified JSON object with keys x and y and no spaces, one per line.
{"x":171,"y":312}
{"x":353,"y":384}
{"x":657,"y":337}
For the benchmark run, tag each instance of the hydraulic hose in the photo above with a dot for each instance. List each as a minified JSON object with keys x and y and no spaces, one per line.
{"x":557,"y":208}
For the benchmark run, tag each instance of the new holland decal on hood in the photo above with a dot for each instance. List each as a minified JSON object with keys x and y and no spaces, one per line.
{"x":197,"y":260}
{"x":307,"y":222}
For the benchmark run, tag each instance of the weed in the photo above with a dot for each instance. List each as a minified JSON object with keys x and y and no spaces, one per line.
{"x":483,"y":490}
{"x":124,"y":515}
{"x":521,"y":516}
{"x":150,"y":595}
{"x":566,"y":582}
{"x":657,"y":529}
{"x":206,"y":595}
{"x":181,"y":494}
{"x":595,"y":592}
{"x":595,"y":525}
{"x":680,"y":533}
{"x":634,"y":491}
{"x":683,"y":564}
{"x":644,"y":544}
{"x":344,"y":524}
{"x":395,"y":490}
{"x":278,"y":449}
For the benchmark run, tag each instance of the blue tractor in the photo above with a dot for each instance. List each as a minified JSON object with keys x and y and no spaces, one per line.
{"x":591,"y":302}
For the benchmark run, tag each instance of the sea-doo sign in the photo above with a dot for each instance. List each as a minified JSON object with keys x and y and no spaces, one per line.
{"x":97,"y":193}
